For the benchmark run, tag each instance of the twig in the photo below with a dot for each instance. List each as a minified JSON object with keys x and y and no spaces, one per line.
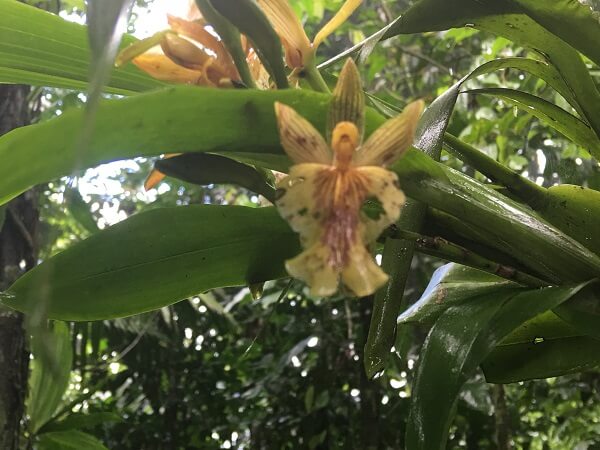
{"x":441,"y":248}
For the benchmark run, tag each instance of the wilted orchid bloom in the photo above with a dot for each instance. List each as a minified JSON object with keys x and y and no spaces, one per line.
{"x":324,"y":195}
{"x":190,"y":54}
{"x":186,"y":53}
{"x":299,"y":51}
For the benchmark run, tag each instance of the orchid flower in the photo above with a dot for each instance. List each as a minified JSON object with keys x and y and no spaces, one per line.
{"x":323,"y":196}
{"x":189,"y":53}
{"x":299,"y":51}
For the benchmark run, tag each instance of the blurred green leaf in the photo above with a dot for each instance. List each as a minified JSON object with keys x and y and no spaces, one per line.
{"x":42,"y":49}
{"x":53,"y":358}
{"x":80,"y":421}
{"x":157,"y":258}
{"x":69,"y":440}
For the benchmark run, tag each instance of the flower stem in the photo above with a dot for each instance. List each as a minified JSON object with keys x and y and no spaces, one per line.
{"x":314,"y":78}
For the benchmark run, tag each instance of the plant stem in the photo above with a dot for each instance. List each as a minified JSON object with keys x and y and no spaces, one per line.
{"x":314,"y":78}
{"x":441,"y":248}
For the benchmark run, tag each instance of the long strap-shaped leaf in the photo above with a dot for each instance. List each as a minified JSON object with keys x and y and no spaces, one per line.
{"x":157,"y":258}
{"x":42,"y":49}
{"x":242,"y":122}
{"x":460,"y":340}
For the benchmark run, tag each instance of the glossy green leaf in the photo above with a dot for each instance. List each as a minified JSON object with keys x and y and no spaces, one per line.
{"x":508,"y":226}
{"x":506,"y":18}
{"x":450,"y":285}
{"x":457,"y":343}
{"x":69,"y":440}
{"x":42,"y":49}
{"x":571,"y":20}
{"x":251,"y":21}
{"x":204,"y":168}
{"x":437,"y":116}
{"x":156,"y":258}
{"x":559,"y":119}
{"x":576,"y":211}
{"x":582,"y":312}
{"x":548,"y":358}
{"x":51,"y":371}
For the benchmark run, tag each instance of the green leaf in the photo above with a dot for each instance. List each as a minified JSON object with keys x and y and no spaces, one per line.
{"x":51,"y":371}
{"x":80,"y":421}
{"x":437,"y":116}
{"x":42,"y":49}
{"x":457,"y":343}
{"x":451,"y":285}
{"x":156,"y":258}
{"x":582,"y":312}
{"x":571,"y":20}
{"x":69,"y":440}
{"x":559,"y":119}
{"x":178,"y":119}
{"x":576,"y":211}
{"x":548,"y":358}
{"x":204,"y":168}
{"x":251,"y":21}
{"x":230,"y":37}
{"x":507,"y":225}
{"x":505,"y":18}
{"x":80,"y":210}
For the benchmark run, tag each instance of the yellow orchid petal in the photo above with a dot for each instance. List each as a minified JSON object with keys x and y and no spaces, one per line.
{"x":311,"y":266}
{"x":196,"y":31}
{"x":362,"y":275}
{"x":301,"y":141}
{"x":339,"y":18}
{"x":140,"y":47}
{"x":183,"y":52}
{"x":287,"y":25}
{"x":153,"y":178}
{"x":348,"y":100}
{"x":156,"y":176}
{"x":385,"y":189}
{"x":162,"y":68}
{"x":323,"y":205}
{"x":296,"y":201}
{"x":392,"y":139}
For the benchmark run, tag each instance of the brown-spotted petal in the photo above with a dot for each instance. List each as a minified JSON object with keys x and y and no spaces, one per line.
{"x":387,"y":198}
{"x":301,"y":141}
{"x":392,"y":139}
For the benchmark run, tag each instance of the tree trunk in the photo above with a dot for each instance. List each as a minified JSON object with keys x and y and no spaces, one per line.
{"x":17,"y":254}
